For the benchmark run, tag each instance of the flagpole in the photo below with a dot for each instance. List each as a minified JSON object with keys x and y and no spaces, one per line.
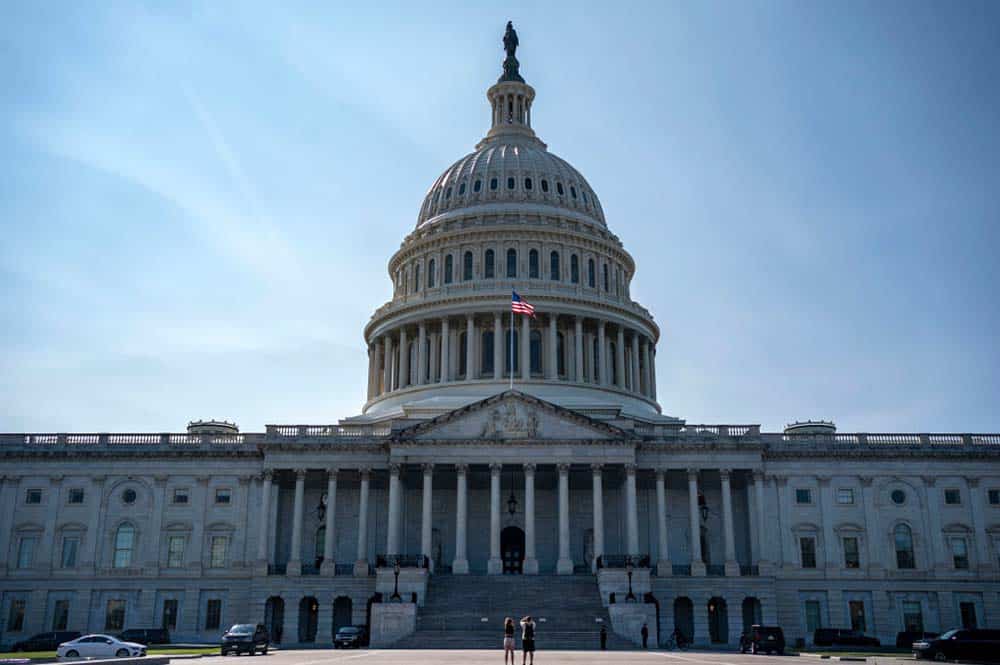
{"x":510,"y":362}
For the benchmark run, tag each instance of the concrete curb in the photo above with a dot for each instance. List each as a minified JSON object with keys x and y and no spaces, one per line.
{"x":824,"y":656}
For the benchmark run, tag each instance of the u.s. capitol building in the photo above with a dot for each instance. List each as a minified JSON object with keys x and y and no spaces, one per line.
{"x":571,"y":496}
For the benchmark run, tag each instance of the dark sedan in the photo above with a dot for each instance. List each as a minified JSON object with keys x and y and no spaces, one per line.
{"x":245,"y":638}
{"x":971,"y":644}
{"x":349,"y":637}
{"x":49,"y":641}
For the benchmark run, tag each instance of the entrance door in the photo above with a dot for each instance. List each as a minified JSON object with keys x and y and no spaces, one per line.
{"x":512,"y":550}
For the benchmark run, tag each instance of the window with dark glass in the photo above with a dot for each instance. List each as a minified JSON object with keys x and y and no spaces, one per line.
{"x":75,"y":495}
{"x":494,"y":183}
{"x":607,"y":283}
{"x":559,"y":188}
{"x":807,"y":548}
{"x":15,"y":618}
{"x":33,"y":496}
{"x":903,"y":539}
{"x":60,"y":615}
{"x":510,"y":183}
{"x":467,"y":266}
{"x":447,"y":193}
{"x":486,"y":354}
{"x":960,"y":553}
{"x":169,"y":620}
{"x":416,"y":277}
{"x":124,"y":546}
{"x":114,"y":615}
{"x":857,"y":611}
{"x":431,"y":273}
{"x":852,"y":555}
{"x":595,"y":362}
{"x":448,"y":261}
{"x":461,"y":189}
{"x":554,"y":266}
{"x":533,"y":264}
{"x":545,"y":185}
{"x":527,"y":184}
{"x":584,"y":192}
{"x":223,"y":495}
{"x":994,"y":497}
{"x":476,"y":186}
{"x":803,"y":495}
{"x":489,"y":268}
{"x":536,"y":352}
{"x":574,"y":269}
{"x":952,"y":497}
{"x":26,"y":551}
{"x":70,"y":549}
{"x":180,"y":495}
{"x":129,"y":496}
{"x":591,"y":276}
{"x":213,"y":614}
{"x":511,"y":263}
{"x":572,"y":191}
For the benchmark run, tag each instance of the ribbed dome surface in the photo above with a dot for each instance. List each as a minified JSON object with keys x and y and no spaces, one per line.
{"x":509,"y":169}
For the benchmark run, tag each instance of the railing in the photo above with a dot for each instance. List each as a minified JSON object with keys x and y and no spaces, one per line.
{"x":328,"y":430}
{"x":721,"y":430}
{"x":623,"y":561}
{"x":277,"y":569}
{"x":681,"y":569}
{"x":310,"y":569}
{"x":715,"y":570}
{"x":749,"y":571}
{"x":404,"y":561}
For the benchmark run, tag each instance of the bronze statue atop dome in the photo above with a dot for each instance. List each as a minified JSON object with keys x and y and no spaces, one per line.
{"x":510,"y":63}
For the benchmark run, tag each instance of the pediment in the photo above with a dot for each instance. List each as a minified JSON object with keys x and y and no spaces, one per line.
{"x":511,"y":416}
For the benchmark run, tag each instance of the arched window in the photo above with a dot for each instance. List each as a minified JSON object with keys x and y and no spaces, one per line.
{"x":448,"y":261}
{"x":486,"y":354}
{"x":536,"y":352}
{"x":903,"y":538}
{"x":527,"y":184}
{"x":512,"y":263}
{"x":560,"y":354}
{"x":554,"y":266}
{"x":510,"y":182}
{"x":559,"y":188}
{"x":416,"y":277}
{"x":607,"y":284}
{"x":489,"y":267}
{"x":511,"y":352}
{"x":574,"y":269}
{"x":533,"y":264}
{"x":467,"y":266}
{"x":431,"y":273}
{"x":447,"y":193}
{"x":545,"y":185}
{"x":124,"y":546}
{"x":476,"y":186}
{"x":461,"y":190}
{"x":591,"y":276}
{"x":493,"y":184}
{"x":572,"y":191}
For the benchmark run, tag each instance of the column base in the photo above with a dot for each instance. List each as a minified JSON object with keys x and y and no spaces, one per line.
{"x":494,"y":567}
{"x":564,"y":567}
{"x":361,"y":568}
{"x":766,"y":568}
{"x":328,"y":569}
{"x":260,"y":568}
{"x":698,"y":569}
{"x":460,"y":567}
{"x":293,"y":569}
{"x":664,"y":568}
{"x":531,"y":566}
{"x":732,"y":569}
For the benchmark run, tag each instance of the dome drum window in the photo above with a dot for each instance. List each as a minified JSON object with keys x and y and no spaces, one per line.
{"x":129,"y":496}
{"x":489,"y":267}
{"x":533,"y":264}
{"x":559,"y":189}
{"x":545,"y":185}
{"x":898,"y":497}
{"x":512,"y":263}
{"x":476,"y":186}
{"x":494,"y":183}
{"x":461,"y":189}
{"x":527,"y":184}
{"x":447,"y":193}
{"x":572,"y":191}
{"x":511,"y":183}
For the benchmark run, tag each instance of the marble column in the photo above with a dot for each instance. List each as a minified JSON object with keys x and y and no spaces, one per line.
{"x":470,"y":347}
{"x":602,"y":355}
{"x":620,"y":358}
{"x":421,"y":354}
{"x":263,"y":535}
{"x":565,"y":564}
{"x":873,"y":530}
{"x":379,"y":379}
{"x":663,"y":566}
{"x":495,"y":565}
{"x":697,"y":565}
{"x":361,"y":564}
{"x":295,"y":556}
{"x":387,"y":381}
{"x":830,"y":558}
{"x":645,"y":368}
{"x":525,"y":342}
{"x":578,"y":350}
{"x":764,"y":526}
{"x":498,"y":346}
{"x":392,"y":537}
{"x":530,"y":558}
{"x":445,"y":351}
{"x":427,"y":515}
{"x":631,"y":511}
{"x":729,"y":537}
{"x":552,"y":352}
{"x":404,"y":359}
{"x":980,"y":536}
{"x":636,"y":381}
{"x":652,"y":371}
{"x":460,"y":566}
{"x":433,"y":361}
{"x":598,"y":494}
{"x":938,"y":552}
{"x":329,"y":566}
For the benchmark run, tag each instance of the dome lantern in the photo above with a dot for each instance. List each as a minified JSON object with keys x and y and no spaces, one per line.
{"x":510,"y":98}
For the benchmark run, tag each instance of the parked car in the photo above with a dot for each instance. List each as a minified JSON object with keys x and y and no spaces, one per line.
{"x":843,"y":637}
{"x":971,"y":644}
{"x":101,"y":646}
{"x":45,"y":641}
{"x":350,"y":637}
{"x":146,"y":635}
{"x":763,"y":639}
{"x":906,"y":638}
{"x":245,"y":638}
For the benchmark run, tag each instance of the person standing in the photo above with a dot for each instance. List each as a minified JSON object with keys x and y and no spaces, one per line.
{"x":508,"y":640}
{"x":527,"y":640}
{"x":604,"y":638}
{"x":645,"y":636}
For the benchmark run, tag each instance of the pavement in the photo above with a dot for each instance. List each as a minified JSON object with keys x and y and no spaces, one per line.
{"x":495,"y":657}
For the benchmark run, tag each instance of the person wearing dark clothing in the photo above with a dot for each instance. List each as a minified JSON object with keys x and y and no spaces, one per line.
{"x":604,"y":638}
{"x":527,"y":640}
{"x":645,"y":636}
{"x":508,"y":640}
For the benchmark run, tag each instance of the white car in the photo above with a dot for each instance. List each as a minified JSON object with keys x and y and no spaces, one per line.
{"x":99,"y":646}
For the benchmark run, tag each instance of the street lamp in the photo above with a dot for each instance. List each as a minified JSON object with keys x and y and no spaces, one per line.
{"x":628,"y":571}
{"x":395,"y":591}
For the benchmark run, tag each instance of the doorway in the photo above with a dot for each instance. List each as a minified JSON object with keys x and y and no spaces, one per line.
{"x":718,"y":621}
{"x":512,"y":550}
{"x":274,"y":618}
{"x":342,"y":613}
{"x":308,"y":619}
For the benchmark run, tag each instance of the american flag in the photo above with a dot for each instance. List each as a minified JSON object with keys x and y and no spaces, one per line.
{"x":520,"y":306}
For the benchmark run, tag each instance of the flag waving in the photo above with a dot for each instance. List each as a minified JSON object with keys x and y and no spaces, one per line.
{"x":519,"y":305}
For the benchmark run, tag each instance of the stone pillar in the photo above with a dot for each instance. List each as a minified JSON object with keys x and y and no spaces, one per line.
{"x":404,"y":359}
{"x":786,"y":539}
{"x":663,"y":566}
{"x":530,"y":558}
{"x":631,"y":511}
{"x":46,"y":547}
{"x":470,"y":347}
{"x":697,"y":565}
{"x":329,"y":566}
{"x":602,"y":355}
{"x":295,"y":556}
{"x":652,"y":371}
{"x":433,"y":361}
{"x":578,"y":350}
{"x":636,"y":381}
{"x":427,"y":515}
{"x":377,"y":370}
{"x":525,"y":347}
{"x":826,"y":514}
{"x":421,"y":353}
{"x":460,"y":566}
{"x":387,"y":365}
{"x":498,"y":346}
{"x":263,"y":553}
{"x":565,"y":564}
{"x":764,"y":527}
{"x":645,"y":368}
{"x":392,"y":537}
{"x":732,"y":566}
{"x":361,"y":564}
{"x":598,"y":485}
{"x":873,"y":531}
{"x":552,"y":352}
{"x":495,"y":565}
{"x":620,"y":358}
{"x":445,"y":352}
{"x":982,"y":539}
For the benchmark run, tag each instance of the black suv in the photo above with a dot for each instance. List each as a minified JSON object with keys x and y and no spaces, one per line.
{"x":146,"y":635}
{"x":763,"y":639}
{"x":971,"y":644}
{"x":843,"y":637}
{"x":45,"y":641}
{"x":245,"y":638}
{"x":349,"y":636}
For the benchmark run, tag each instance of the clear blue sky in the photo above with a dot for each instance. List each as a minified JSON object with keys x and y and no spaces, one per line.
{"x":198,"y":200}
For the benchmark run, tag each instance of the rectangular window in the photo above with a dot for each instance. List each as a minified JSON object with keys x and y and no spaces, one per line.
{"x":913,"y":616}
{"x":26,"y":551}
{"x":845,"y":496}
{"x":169,"y":614}
{"x":213,"y":614}
{"x":223,"y":496}
{"x":114,"y":617}
{"x":180,"y":495}
{"x":807,"y":547}
{"x":220,"y":544}
{"x":857,"y":611}
{"x":175,"y":551}
{"x":803,"y":495}
{"x":960,"y":553}
{"x":994,"y":497}
{"x":70,"y":548}
{"x":852,"y":555}
{"x":814,"y":618}
{"x":60,"y":615}
{"x":952,"y":497}
{"x":75,"y":496}
{"x":968,"y":612}
{"x":15,"y":620}
{"x":33,"y":496}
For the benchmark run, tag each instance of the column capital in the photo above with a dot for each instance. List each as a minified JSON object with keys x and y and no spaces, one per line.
{"x":495,"y":468}
{"x":98,"y":479}
{"x":202,"y":480}
{"x":242,"y":480}
{"x":331,"y":472}
{"x":56,"y":479}
{"x":427,"y":467}
{"x":630,"y":469}
{"x":824,"y":481}
{"x":929,"y":481}
{"x":267,"y":475}
{"x":758,"y":476}
{"x":661,"y":473}
{"x":366,"y":472}
{"x":563,"y":467}
{"x":725,"y":474}
{"x":461,"y":468}
{"x":529,"y":467}
{"x":972,"y":482}
{"x":300,"y":474}
{"x":161,"y":479}
{"x":597,"y":468}
{"x":866,"y":481}
{"x":693,"y":473}
{"x":394,"y":468}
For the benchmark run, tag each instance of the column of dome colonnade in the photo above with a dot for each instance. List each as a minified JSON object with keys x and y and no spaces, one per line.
{"x":568,"y":348}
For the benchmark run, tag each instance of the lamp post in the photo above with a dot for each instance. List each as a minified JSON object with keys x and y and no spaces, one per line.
{"x":395,"y":591}
{"x":628,"y":571}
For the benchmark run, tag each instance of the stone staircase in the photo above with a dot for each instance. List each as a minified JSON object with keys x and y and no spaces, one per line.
{"x":565,"y":608}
